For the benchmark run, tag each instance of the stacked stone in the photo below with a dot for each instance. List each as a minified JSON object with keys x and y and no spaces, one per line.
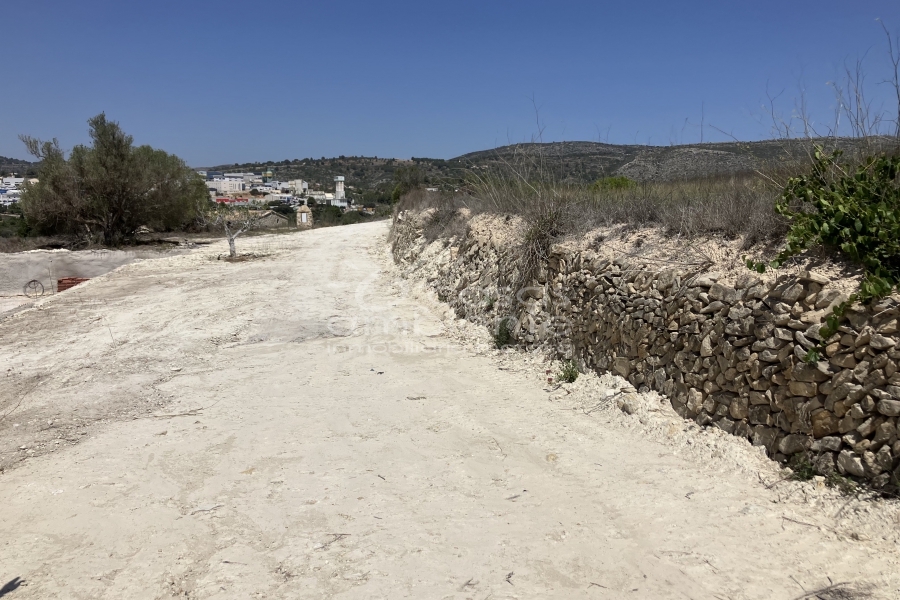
{"x":728,"y":356}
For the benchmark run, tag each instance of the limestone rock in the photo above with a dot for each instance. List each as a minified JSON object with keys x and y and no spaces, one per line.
{"x":803,"y":388}
{"x":724,"y":293}
{"x":885,"y":432}
{"x":794,"y":443}
{"x":850,"y":463}
{"x":739,"y":408}
{"x":824,"y":463}
{"x":824,"y":423}
{"x":880,"y":342}
{"x":622,"y":366}
{"x":810,"y":277}
{"x":889,"y":408}
{"x":792,"y":293}
{"x":830,"y":443}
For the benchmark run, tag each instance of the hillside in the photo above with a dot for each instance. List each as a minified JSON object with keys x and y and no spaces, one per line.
{"x":23,"y":168}
{"x":362,"y":173}
{"x":589,"y":161}
{"x":573,"y":161}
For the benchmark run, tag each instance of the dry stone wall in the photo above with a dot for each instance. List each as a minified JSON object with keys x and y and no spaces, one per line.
{"x":727,"y":355}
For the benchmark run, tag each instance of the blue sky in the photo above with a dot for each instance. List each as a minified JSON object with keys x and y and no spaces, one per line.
{"x":219,"y":82}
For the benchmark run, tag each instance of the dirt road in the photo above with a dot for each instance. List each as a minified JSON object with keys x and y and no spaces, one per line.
{"x":297,"y":426}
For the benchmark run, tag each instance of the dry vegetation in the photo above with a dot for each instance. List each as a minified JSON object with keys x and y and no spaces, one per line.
{"x":732,"y":206}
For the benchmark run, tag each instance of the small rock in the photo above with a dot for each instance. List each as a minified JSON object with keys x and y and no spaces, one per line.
{"x":694,"y":401}
{"x":811,"y":277}
{"x":844,"y":361}
{"x":794,"y":443}
{"x":622,"y":366}
{"x":884,"y":433}
{"x":830,"y":443}
{"x":712,"y":307}
{"x":813,"y":316}
{"x":725,"y":424}
{"x":867,"y":427}
{"x":864,"y":337}
{"x":803,"y":388}
{"x":812,"y":373}
{"x":824,"y":463}
{"x":889,"y":408}
{"x":793,"y":293}
{"x":880,"y":342}
{"x":849,"y":462}
{"x":707,"y":281}
{"x":889,"y":327}
{"x":739,"y":408}
{"x":825,"y":423}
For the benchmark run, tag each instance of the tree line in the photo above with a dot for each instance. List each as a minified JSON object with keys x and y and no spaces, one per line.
{"x":104,"y":192}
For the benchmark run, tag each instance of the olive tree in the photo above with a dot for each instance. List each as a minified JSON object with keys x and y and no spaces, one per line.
{"x":106,"y":191}
{"x":234,"y":221}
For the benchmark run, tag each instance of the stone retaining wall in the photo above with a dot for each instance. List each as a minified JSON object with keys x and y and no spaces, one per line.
{"x":727,"y":355}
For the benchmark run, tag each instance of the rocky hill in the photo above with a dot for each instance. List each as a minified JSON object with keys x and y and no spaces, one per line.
{"x":589,"y":161}
{"x":568,"y":161}
{"x":22,"y":168}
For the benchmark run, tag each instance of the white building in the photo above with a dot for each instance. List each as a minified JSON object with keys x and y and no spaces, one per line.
{"x":280,"y":186}
{"x":245,"y":177}
{"x":339,"y":188}
{"x":12,"y":183}
{"x":298,"y":186}
{"x":276,"y":197}
{"x":8,"y":197}
{"x":225,"y":185}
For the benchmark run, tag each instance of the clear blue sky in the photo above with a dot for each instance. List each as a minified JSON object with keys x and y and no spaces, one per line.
{"x":226,"y":81}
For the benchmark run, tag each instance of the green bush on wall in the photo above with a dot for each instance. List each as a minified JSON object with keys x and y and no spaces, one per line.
{"x":854,"y":209}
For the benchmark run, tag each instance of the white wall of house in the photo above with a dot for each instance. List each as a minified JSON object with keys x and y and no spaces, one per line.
{"x":226,"y":185}
{"x":13,"y":182}
{"x":298,"y":186}
{"x":286,"y":198}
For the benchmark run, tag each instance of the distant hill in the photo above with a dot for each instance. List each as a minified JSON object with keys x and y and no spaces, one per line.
{"x":15,"y":165}
{"x":372,"y":174}
{"x":568,"y":161}
{"x":589,"y":161}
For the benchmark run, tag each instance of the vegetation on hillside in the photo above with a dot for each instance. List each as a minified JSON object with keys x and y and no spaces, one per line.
{"x":370,"y":179}
{"x":21,"y":168}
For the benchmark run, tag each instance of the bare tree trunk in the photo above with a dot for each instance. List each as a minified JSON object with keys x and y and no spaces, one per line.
{"x":231,"y":250}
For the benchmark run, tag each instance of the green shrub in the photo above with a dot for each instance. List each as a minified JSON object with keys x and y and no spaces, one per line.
{"x":503,"y":333}
{"x":845,"y":485}
{"x":803,"y":469}
{"x":613,"y":183}
{"x":569,"y":372}
{"x":853,"y":209}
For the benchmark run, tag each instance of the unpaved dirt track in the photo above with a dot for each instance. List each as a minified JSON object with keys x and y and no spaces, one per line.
{"x":343,"y":447}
